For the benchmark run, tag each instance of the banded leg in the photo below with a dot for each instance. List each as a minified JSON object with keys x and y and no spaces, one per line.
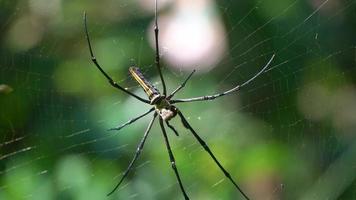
{"x":238,"y":87}
{"x":171,"y":157}
{"x":181,"y":85}
{"x":207,"y":149}
{"x":157,"y":59}
{"x":138,"y":152}
{"x":96,"y":63}
{"x":131,"y":120}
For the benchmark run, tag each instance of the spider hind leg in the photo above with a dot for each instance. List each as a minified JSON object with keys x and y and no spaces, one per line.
{"x":137,"y":154}
{"x":172,"y":159}
{"x":172,"y":128}
{"x":207,"y":149}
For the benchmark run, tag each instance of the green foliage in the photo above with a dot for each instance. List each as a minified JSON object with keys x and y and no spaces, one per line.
{"x":277,"y":137}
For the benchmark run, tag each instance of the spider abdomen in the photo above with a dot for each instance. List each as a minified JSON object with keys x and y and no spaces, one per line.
{"x":151,"y":91}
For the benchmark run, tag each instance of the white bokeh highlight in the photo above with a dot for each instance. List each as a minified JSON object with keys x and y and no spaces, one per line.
{"x":192,"y":36}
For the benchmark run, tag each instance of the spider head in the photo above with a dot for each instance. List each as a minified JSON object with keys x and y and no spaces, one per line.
{"x":166,"y":110}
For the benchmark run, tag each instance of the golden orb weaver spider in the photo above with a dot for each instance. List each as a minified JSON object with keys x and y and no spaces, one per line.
{"x":164,"y":107}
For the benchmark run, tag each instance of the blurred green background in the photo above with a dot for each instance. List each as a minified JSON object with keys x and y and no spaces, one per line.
{"x":290,"y":134}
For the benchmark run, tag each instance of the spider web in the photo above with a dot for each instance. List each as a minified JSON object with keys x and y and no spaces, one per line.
{"x":289,"y":134}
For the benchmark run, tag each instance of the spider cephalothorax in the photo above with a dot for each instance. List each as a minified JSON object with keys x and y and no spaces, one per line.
{"x":166,"y":110}
{"x":163,"y":105}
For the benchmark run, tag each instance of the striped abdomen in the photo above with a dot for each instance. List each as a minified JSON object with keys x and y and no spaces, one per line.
{"x":149,"y":89}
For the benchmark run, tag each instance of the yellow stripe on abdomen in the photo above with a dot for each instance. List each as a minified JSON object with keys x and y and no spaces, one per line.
{"x":149,"y":89}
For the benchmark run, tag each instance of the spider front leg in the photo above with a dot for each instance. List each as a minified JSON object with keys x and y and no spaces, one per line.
{"x":132,"y":120}
{"x":236,"y":88}
{"x":207,"y":149}
{"x":171,"y":157}
{"x":181,"y":85}
{"x":157,"y":58}
{"x":138,"y":152}
{"x":96,"y":63}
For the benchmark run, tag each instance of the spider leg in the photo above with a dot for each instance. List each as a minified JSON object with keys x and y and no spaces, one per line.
{"x":94,"y":60}
{"x":171,"y":157}
{"x":205,"y":146}
{"x":172,"y":128}
{"x":238,"y":87}
{"x":180,"y":86}
{"x":138,"y":152}
{"x":157,"y":59}
{"x":132,"y":120}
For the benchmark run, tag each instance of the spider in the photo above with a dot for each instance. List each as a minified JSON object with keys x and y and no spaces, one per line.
{"x":164,"y":107}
